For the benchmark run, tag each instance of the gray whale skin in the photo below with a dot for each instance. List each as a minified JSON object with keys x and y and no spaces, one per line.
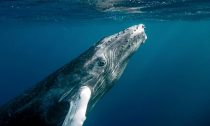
{"x":67,"y":95}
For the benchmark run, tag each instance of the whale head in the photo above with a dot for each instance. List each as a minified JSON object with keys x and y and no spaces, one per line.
{"x":108,"y":58}
{"x":113,"y":52}
{"x":103,"y":63}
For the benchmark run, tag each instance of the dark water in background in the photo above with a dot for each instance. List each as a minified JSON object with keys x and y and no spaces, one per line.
{"x":166,"y":83}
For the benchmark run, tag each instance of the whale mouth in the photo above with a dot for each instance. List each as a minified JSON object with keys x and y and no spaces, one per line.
{"x":137,"y":36}
{"x":137,"y":30}
{"x":128,"y":36}
{"x":126,"y":41}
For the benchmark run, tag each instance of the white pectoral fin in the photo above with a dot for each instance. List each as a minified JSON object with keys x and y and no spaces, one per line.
{"x":77,"y":111}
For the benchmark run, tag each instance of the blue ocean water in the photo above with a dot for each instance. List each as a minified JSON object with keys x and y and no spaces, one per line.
{"x":166,"y":82}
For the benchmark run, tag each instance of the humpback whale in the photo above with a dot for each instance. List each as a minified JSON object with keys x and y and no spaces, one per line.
{"x":66,"y":96}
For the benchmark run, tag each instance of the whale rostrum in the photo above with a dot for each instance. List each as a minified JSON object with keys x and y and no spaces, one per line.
{"x":66,"y":96}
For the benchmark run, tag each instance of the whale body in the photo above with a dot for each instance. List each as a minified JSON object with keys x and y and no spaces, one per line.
{"x":66,"y":96}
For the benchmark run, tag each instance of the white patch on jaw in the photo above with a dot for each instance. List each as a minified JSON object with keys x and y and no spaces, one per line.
{"x":78,"y":107}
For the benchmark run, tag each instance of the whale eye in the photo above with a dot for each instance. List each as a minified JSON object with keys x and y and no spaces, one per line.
{"x":101,"y":62}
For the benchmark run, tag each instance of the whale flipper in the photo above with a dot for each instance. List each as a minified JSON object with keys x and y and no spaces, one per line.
{"x":78,"y":107}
